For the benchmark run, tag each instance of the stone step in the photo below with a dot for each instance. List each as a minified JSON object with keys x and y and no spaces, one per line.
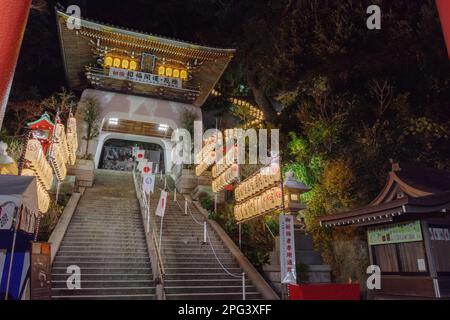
{"x":87,"y":284}
{"x":104,"y":265}
{"x":182,"y":252}
{"x":126,"y":258}
{"x":207,"y":289}
{"x":198,"y":255}
{"x":87,"y":218}
{"x":105,"y":270}
{"x":95,"y":246}
{"x":111,"y":253}
{"x":102,"y":223}
{"x":110,"y":237}
{"x":237,"y":295}
{"x":197,"y":259}
{"x":209,"y":264}
{"x":199,"y":276}
{"x":112,"y":229}
{"x":103,"y":291}
{"x":206,"y":282}
{"x":105,"y":277}
{"x":106,"y":297}
{"x":234,"y":270}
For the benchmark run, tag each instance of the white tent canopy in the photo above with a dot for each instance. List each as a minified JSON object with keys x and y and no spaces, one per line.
{"x":22,"y":190}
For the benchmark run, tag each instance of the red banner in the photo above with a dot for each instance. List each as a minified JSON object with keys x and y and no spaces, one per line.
{"x":331,"y":291}
{"x":13,"y":18}
{"x":443,"y":7}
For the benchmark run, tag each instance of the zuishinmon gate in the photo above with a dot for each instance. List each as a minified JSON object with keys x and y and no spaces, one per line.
{"x":143,"y":83}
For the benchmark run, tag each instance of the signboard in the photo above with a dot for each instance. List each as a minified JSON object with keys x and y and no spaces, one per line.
{"x":41,"y":271}
{"x":162,"y":203}
{"x":148,"y":62}
{"x":287,"y":249}
{"x":397,"y":233}
{"x":148,"y":183}
{"x":146,"y":78}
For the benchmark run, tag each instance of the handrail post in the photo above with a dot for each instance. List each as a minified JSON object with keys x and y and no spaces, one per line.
{"x":185,"y":206}
{"x":243,"y":285}
{"x":204,"y":231}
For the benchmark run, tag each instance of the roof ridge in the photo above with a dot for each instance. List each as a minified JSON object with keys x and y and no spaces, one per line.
{"x":142,"y":33}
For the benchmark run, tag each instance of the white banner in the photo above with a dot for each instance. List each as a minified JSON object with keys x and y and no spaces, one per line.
{"x":143,"y":77}
{"x":135,"y":151}
{"x":140,"y":155}
{"x":161,"y":209}
{"x":148,"y":183}
{"x":145,"y":167}
{"x":287,"y":249}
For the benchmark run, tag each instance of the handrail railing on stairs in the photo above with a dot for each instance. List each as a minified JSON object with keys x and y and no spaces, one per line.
{"x":158,"y":269}
{"x":206,"y":238}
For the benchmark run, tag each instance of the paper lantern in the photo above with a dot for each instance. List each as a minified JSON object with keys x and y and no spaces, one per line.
{"x":37,"y":163}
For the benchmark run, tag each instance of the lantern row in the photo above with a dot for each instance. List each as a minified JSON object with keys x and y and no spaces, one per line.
{"x":62,"y":151}
{"x":230,"y":158}
{"x":72,"y":139}
{"x":206,"y":156}
{"x":264,"y":203}
{"x":266,"y":178}
{"x":254,"y":111}
{"x":229,"y":176}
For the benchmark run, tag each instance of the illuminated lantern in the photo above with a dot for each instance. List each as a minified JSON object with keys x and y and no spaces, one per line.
{"x":36,"y":162}
{"x":116,"y":62}
{"x":183,"y":74}
{"x":161,"y":70}
{"x":43,"y":196}
{"x":58,"y":161}
{"x":61,"y":140}
{"x":168,"y":72}
{"x":72,"y":139}
{"x":108,"y":61}
{"x":176,"y":73}
{"x":133,"y":65}
{"x":125,"y":64}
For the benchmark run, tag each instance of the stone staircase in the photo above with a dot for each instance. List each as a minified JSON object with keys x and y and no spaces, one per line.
{"x":106,"y":239}
{"x":192,"y":271}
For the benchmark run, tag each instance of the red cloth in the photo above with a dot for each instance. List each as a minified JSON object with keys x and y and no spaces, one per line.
{"x":13,"y":19}
{"x":443,"y":7}
{"x":332,"y":291}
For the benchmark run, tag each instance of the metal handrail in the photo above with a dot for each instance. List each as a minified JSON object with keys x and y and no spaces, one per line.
{"x":147,"y":215}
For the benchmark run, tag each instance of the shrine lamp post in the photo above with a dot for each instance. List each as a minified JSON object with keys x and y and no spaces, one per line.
{"x":293,"y":189}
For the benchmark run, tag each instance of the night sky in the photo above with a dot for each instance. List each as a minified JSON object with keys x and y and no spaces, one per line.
{"x":39,"y":70}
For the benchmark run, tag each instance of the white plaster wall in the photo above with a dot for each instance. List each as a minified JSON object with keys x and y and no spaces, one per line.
{"x":136,"y":108}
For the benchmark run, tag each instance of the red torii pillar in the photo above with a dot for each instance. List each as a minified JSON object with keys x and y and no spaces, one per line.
{"x":443,"y":7}
{"x":13,"y":19}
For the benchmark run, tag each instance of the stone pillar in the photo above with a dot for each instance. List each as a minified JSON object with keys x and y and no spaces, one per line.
{"x":443,"y":7}
{"x":13,"y":19}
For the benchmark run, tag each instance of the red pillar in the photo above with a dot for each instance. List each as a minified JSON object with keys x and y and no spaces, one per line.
{"x":444,"y":14}
{"x":13,"y":19}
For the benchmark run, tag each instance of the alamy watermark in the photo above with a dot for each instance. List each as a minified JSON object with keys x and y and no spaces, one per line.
{"x":188,"y":150}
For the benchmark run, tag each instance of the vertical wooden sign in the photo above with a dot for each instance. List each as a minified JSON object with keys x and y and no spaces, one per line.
{"x":41,"y":282}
